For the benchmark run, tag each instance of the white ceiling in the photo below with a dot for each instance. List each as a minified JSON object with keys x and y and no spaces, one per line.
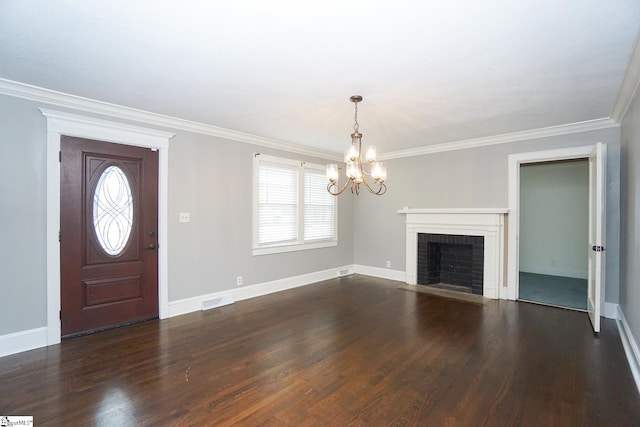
{"x":430,"y":71}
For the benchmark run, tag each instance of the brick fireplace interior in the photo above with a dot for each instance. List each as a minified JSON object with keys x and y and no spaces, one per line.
{"x":451,"y":261}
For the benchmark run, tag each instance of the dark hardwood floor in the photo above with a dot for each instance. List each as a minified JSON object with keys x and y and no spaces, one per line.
{"x":351,"y":351}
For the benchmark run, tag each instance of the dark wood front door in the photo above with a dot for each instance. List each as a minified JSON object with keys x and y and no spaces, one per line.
{"x":108,"y":234}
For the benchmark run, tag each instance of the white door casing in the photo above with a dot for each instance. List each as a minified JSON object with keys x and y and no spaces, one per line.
{"x":62,"y":123}
{"x":514,"y":163}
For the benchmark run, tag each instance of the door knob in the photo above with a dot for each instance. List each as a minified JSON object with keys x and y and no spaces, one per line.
{"x":151,"y":246}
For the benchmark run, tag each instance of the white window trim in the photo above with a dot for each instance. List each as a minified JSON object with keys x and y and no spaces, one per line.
{"x":300,"y":244}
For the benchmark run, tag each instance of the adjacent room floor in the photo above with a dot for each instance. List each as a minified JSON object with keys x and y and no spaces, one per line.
{"x":559,"y":291}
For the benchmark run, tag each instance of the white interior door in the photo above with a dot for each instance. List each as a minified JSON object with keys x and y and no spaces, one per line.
{"x":597,"y":194}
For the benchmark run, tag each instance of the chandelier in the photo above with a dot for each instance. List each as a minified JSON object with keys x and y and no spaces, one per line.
{"x":355,"y":170}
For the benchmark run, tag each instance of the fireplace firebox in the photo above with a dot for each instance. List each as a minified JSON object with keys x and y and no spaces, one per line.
{"x":451,"y":261}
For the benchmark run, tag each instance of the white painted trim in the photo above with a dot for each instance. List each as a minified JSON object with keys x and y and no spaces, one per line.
{"x":268,"y":250}
{"x":506,"y":138}
{"x":629,"y":85}
{"x":18,"y":342}
{"x":60,"y":123}
{"x":556,"y":271}
{"x":406,"y":210}
{"x":189,"y":305}
{"x":610,"y":310}
{"x":35,"y":93}
{"x":630,"y":346}
{"x":383,"y":273}
{"x":513,"y":179}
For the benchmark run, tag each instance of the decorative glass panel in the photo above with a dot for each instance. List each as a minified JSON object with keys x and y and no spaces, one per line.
{"x":113,"y":210}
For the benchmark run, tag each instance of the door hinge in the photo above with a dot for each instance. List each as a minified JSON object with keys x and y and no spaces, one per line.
{"x":60,"y":314}
{"x":596,"y":248}
{"x":59,"y":156}
{"x":59,"y":236}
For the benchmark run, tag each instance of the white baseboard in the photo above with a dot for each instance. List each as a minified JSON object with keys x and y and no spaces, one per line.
{"x":18,"y":342}
{"x":556,"y":271}
{"x":383,"y":273}
{"x":610,"y":310}
{"x":189,"y":305}
{"x":630,"y":346}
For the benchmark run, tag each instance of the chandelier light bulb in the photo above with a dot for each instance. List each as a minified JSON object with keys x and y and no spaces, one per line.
{"x":332,"y":172}
{"x":371,"y":154}
{"x":351,"y":154}
{"x":376,"y":171}
{"x":351,"y":169}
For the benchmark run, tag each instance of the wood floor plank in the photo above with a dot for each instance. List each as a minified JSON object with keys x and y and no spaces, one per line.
{"x":350,"y":351}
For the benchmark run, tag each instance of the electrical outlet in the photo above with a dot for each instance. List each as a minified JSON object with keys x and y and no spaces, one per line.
{"x":554,"y":262}
{"x":184,"y":217}
{"x":239,"y":281}
{"x":388,"y":264}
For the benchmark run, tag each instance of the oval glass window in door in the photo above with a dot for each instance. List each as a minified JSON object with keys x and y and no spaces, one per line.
{"x":113,"y":210}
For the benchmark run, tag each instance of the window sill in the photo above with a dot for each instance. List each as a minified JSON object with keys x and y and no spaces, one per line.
{"x":293,"y":247}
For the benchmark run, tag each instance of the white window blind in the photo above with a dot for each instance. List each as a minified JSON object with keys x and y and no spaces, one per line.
{"x":292,"y":208}
{"x":278,"y":203}
{"x":319,"y":221}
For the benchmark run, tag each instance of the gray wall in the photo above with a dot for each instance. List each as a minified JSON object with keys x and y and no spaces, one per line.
{"x":471,"y":178}
{"x":630,"y":217}
{"x":554,"y":218}
{"x":212,"y":179}
{"x":208,"y":177}
{"x":22,"y":216}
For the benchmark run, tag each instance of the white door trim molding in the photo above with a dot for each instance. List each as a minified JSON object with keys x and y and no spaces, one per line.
{"x":61,"y":123}
{"x":515,"y":160}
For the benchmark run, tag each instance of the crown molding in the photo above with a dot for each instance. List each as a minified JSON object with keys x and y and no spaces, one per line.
{"x":39,"y":94}
{"x":506,"y":138}
{"x":629,"y":85}
{"x":35,"y":93}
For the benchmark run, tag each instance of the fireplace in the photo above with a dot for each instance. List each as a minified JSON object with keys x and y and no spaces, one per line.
{"x":451,"y":261}
{"x":463,"y":227}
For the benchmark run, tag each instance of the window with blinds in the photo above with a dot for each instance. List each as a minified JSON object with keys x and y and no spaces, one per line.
{"x":319,"y":221}
{"x":278,"y":204}
{"x":292,"y":208}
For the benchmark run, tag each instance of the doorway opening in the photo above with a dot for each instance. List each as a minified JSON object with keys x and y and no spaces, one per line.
{"x":554,"y":227}
{"x":596,"y":155}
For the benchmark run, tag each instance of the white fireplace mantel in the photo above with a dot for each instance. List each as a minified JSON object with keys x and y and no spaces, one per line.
{"x":488,"y":223}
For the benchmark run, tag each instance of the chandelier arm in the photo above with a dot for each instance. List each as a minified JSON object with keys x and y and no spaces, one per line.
{"x":366,"y":184}
{"x":339,"y":192}
{"x":381,"y":187}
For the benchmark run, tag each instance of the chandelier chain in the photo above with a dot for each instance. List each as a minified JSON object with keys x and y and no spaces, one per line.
{"x":356,"y":126}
